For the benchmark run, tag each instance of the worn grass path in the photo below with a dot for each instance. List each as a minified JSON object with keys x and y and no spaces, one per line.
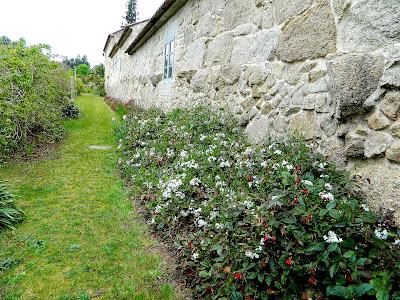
{"x":80,"y":239}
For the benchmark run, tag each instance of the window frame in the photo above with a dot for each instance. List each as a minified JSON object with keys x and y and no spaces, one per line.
{"x":169,"y":58}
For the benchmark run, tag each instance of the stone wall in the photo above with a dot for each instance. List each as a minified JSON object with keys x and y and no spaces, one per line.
{"x":328,"y":69}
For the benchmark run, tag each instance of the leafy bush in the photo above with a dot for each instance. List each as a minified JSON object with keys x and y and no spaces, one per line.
{"x":268,"y":222}
{"x":32,"y":95}
{"x":9,"y":214}
{"x":71,"y":111}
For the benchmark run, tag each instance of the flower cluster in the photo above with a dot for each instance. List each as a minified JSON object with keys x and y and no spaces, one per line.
{"x":259,"y":222}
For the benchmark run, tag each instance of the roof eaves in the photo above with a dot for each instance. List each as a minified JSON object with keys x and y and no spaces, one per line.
{"x":162,"y":15}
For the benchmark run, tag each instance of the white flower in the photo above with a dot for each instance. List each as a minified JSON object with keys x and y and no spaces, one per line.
{"x":158,"y":209}
{"x":184,"y":213}
{"x":326,"y":196}
{"x":248,"y":204}
{"x":289,"y":167}
{"x":381,"y":234}
{"x":201,"y":223}
{"x":219,"y":226}
{"x":264,"y":164}
{"x":183,"y":154}
{"x":307,"y":182}
{"x":124,"y":117}
{"x":332,"y":238}
{"x":214,"y":214}
{"x":249,"y":151}
{"x":251,"y":255}
{"x":113,"y":119}
{"x":180,"y":195}
{"x":329,"y":187}
{"x":197,"y":212}
{"x":195,"y":256}
{"x":203,"y":137}
{"x":396,"y":242}
{"x":278,"y":152}
{"x":365,"y":207}
{"x":195,"y":182}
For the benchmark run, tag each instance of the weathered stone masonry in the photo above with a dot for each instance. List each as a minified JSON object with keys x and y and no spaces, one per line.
{"x":328,"y":69}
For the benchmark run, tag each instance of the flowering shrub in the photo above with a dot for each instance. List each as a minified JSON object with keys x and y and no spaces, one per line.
{"x":268,"y":222}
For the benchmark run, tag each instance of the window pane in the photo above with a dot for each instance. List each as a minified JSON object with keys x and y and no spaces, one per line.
{"x":167,"y":49}
{"x":172,"y":46}
{"x":165,"y":72}
{"x":170,"y":72}
{"x":171,"y":60}
{"x":166,"y":61}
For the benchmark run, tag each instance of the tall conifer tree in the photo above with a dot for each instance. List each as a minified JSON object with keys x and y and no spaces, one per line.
{"x":131,"y":13}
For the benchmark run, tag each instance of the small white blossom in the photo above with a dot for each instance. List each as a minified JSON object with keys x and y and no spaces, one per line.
{"x":307,"y":182}
{"x":326,"y":196}
{"x":124,"y":117}
{"x":248,"y":204}
{"x":332,"y":238}
{"x":158,"y":209}
{"x":365,"y":207}
{"x":381,"y":234}
{"x":219,"y":226}
{"x":195,"y":182}
{"x":183,"y":154}
{"x":396,"y":242}
{"x":201,"y":223}
{"x":195,"y":256}
{"x":251,"y":255}
{"x":328,"y":187}
{"x":278,"y":152}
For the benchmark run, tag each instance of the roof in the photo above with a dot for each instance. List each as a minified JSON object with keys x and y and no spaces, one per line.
{"x":124,"y":36}
{"x":127,"y":30}
{"x":162,"y":15}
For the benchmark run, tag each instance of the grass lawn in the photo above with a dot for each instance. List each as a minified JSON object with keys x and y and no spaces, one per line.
{"x":81,"y":239}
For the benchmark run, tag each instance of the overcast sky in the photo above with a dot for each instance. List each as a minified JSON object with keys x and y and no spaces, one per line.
{"x":70,"y":27}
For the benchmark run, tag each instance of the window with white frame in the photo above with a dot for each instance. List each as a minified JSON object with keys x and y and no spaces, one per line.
{"x":169,"y":50}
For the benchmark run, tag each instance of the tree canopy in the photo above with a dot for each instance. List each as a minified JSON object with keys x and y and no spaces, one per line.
{"x":75,"y":62}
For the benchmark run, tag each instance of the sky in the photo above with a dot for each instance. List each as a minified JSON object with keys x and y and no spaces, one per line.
{"x":70,"y":27}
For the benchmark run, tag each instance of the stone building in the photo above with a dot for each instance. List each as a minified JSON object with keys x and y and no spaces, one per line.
{"x":329,"y":69}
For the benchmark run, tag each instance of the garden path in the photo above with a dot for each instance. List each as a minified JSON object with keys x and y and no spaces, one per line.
{"x":80,"y":239}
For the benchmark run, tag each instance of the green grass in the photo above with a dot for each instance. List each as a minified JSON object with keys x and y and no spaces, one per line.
{"x":81,"y":238}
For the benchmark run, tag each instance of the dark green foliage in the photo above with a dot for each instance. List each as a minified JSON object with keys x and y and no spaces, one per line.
{"x":4,"y":40}
{"x":274,"y":221}
{"x":71,"y":111}
{"x":75,"y":62}
{"x":9,"y":214}
{"x":131,"y":13}
{"x":32,"y":94}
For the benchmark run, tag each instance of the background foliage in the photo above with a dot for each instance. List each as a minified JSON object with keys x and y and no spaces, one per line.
{"x":270,"y":222}
{"x":33,"y":92}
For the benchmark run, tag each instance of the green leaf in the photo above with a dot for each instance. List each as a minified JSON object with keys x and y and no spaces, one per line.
{"x":362,"y":289}
{"x":351,"y":255}
{"x":204,"y":274}
{"x":339,"y":291}
{"x":333,"y":270}
{"x":235,"y":295}
{"x":382,"y":295}
{"x":333,"y":247}
{"x":331,"y":205}
{"x":362,"y":261}
{"x":315,"y":247}
{"x":335,"y":214}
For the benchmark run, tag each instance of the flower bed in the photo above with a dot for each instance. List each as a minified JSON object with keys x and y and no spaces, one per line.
{"x":267,"y":222}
